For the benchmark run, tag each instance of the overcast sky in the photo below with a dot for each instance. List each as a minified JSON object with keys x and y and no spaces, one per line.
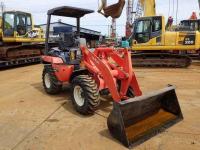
{"x":96,"y":21}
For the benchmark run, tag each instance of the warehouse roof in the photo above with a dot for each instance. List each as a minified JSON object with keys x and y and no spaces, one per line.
{"x":83,"y":30}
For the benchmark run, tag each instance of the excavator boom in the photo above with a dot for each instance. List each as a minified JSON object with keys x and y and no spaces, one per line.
{"x":149,"y":7}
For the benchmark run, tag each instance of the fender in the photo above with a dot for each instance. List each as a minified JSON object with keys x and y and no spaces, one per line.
{"x":52,"y":60}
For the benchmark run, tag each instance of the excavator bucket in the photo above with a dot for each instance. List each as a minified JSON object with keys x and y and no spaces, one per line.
{"x":114,"y":10}
{"x":137,"y":119}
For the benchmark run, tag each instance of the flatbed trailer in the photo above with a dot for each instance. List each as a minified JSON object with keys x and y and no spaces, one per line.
{"x":19,"y":61}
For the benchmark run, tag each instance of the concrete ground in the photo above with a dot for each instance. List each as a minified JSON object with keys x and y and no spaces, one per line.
{"x":32,"y":120}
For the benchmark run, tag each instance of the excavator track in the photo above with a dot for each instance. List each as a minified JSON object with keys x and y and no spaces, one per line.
{"x":195,"y":56}
{"x":19,"y":61}
{"x":161,"y":60}
{"x":21,"y":51}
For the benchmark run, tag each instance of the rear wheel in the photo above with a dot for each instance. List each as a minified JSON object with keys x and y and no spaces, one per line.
{"x":50,"y":82}
{"x":85,"y":94}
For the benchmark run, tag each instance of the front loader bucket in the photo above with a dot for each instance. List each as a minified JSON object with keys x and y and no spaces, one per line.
{"x":137,"y":119}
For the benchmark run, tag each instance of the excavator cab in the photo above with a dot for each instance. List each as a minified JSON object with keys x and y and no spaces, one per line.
{"x":18,"y":27}
{"x":147,"y":28}
{"x":18,"y":22}
{"x":113,"y":10}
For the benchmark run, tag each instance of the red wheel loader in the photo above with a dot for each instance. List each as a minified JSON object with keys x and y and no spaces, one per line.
{"x":135,"y":117}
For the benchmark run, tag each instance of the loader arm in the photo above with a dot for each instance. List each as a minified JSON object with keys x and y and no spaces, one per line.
{"x":112,"y":68}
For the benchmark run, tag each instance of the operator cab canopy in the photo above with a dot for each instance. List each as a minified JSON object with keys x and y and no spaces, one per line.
{"x":66,"y":41}
{"x":67,"y":11}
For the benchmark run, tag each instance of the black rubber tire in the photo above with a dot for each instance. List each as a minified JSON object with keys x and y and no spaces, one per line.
{"x":90,"y":93}
{"x":55,"y":85}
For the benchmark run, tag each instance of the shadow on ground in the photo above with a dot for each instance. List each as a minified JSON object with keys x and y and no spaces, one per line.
{"x":65,"y":96}
{"x":105,"y":133}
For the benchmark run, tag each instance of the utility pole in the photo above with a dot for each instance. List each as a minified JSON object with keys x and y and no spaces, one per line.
{"x":109,"y":30}
{"x":129,"y":18}
{"x":199,"y":6}
{"x":113,"y":28}
{"x":2,"y":7}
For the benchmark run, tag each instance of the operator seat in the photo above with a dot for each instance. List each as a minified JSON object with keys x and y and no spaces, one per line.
{"x":68,"y":44}
{"x":21,"y":27}
{"x":66,"y":41}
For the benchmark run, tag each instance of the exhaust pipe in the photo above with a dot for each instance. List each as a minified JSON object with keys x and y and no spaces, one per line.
{"x":135,"y":120}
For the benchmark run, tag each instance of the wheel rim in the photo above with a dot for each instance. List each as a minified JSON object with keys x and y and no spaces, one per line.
{"x":47,"y":80}
{"x":78,"y":96}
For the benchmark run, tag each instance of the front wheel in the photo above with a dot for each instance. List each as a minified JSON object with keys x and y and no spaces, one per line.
{"x":85,"y":94}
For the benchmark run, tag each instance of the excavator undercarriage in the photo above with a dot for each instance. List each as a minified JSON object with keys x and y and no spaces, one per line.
{"x":20,"y":41}
{"x":20,"y":51}
{"x":155,"y":59}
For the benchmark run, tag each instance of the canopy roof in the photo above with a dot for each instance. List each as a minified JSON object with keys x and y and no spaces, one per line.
{"x":68,"y":11}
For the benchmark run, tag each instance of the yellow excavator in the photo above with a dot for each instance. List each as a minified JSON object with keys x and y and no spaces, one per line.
{"x":153,"y":45}
{"x":20,"y":41}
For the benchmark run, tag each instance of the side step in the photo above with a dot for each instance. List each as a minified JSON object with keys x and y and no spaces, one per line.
{"x":137,"y":119}
{"x":160,"y":60}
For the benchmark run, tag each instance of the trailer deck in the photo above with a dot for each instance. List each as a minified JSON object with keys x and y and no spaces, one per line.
{"x":19,"y":61}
